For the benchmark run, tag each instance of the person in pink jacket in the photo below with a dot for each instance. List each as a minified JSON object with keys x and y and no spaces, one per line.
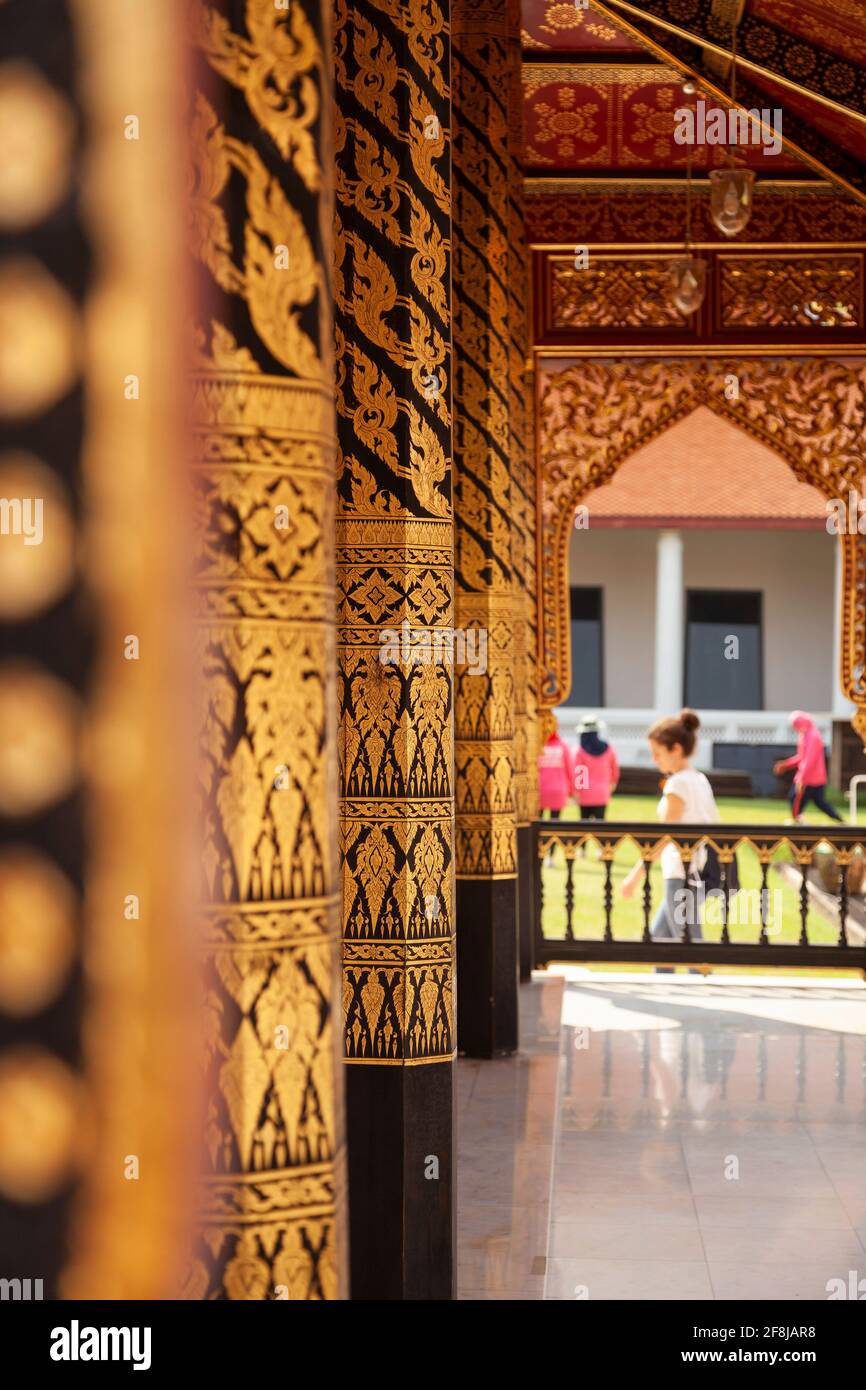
{"x":596,"y":770}
{"x":555,"y":774}
{"x":810,"y":777}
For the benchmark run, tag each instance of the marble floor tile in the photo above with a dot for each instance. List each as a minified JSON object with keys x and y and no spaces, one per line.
{"x":768,"y":1283}
{"x":675,"y":1209}
{"x":741,"y":1210}
{"x":487,"y":1295}
{"x":629,"y":1280}
{"x":853,"y":1199}
{"x":645,"y":1240}
{"x":830,"y":1249}
{"x":603,"y":1169}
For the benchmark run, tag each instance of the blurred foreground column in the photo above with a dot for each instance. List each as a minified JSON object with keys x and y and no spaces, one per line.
{"x":141,"y":1019}
{"x":262,"y":231}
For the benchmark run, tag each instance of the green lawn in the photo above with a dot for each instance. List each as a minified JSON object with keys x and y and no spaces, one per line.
{"x":588,"y":917}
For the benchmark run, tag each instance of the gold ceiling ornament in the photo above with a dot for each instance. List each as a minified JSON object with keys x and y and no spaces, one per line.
{"x":38,"y":338}
{"x":44,"y":1127}
{"x":594,"y":414}
{"x":37,"y":929}
{"x":37,"y":537}
{"x":37,"y":130}
{"x":39,"y":728}
{"x":805,"y":289}
{"x":614,"y":291}
{"x":599,"y":75}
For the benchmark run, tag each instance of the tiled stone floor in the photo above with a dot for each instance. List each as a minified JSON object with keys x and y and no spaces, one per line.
{"x":673,"y":1138}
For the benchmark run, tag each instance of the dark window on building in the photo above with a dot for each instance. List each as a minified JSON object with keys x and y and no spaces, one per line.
{"x":724,"y":650}
{"x":587,"y":686}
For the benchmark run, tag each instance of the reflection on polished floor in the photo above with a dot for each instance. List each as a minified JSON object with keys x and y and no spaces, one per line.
{"x":667,"y":1138}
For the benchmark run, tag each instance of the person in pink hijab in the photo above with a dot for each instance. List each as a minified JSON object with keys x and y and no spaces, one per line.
{"x":810,"y":764}
{"x":555,"y":774}
{"x":596,"y":770}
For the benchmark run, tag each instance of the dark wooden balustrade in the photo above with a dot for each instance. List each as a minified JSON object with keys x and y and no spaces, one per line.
{"x":575,"y":844}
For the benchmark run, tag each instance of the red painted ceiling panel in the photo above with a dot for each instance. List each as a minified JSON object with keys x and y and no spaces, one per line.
{"x":561,"y":26}
{"x":618,"y":116}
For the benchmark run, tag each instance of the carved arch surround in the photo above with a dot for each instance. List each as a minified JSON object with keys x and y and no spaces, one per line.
{"x":596,"y":412}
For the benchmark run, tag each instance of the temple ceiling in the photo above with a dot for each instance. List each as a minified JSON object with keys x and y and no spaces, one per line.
{"x":601,"y":84}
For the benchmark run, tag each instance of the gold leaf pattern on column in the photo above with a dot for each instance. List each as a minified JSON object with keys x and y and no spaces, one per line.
{"x":263,"y":421}
{"x":395,"y":524}
{"x":485,"y":583}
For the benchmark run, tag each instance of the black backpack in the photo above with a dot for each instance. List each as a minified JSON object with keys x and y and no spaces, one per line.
{"x":711,"y":873}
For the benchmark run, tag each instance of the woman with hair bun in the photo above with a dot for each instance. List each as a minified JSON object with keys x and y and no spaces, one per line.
{"x":688,"y":797}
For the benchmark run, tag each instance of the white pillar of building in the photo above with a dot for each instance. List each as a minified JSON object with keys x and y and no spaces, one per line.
{"x":842,"y":708}
{"x":670,"y":623}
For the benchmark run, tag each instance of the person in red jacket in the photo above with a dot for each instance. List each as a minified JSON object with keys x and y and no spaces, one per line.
{"x":555,"y":775}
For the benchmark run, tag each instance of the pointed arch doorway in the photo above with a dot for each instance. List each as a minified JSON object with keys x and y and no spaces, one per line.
{"x":595,"y":413}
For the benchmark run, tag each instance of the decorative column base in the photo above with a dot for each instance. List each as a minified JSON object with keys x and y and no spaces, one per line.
{"x":487,"y":966}
{"x":525,"y":924}
{"x":402,"y":1234}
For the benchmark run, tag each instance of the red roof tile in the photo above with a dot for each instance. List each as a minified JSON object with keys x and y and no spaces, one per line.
{"x":704,"y":471}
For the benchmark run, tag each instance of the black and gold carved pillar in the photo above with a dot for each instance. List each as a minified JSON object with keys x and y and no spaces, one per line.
{"x":486,"y":846}
{"x":522,"y":459}
{"x":395,"y":579}
{"x":264,"y":425}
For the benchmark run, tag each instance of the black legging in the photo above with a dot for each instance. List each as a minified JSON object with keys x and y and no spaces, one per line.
{"x":801,"y":796}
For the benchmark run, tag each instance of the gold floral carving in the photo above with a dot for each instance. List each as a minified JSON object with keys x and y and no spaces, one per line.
{"x":263,"y":425}
{"x":522,"y":457}
{"x":555,"y":209}
{"x":274,"y":293}
{"x":485,"y":362}
{"x":613,"y":293}
{"x":597,"y":75}
{"x":798,"y":292}
{"x":593,"y":416}
{"x":395,"y":544}
{"x":276,"y":67}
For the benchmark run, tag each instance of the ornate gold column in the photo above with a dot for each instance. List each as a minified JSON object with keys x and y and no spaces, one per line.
{"x":484,"y":498}
{"x":522,"y":460}
{"x":395,"y":566}
{"x":264,"y":430}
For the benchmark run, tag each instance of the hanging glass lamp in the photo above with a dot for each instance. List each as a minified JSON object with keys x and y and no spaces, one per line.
{"x":731,"y":199}
{"x":688,"y":282}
